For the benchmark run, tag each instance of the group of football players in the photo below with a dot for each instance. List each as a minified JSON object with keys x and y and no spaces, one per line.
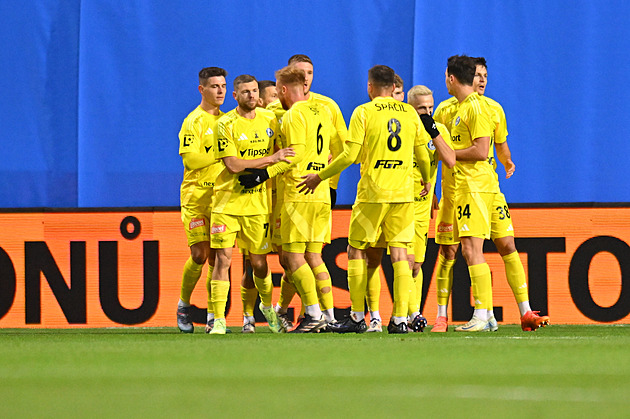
{"x":264,"y":176}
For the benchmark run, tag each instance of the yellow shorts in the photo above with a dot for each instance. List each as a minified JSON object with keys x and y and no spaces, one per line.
{"x":501,"y":223}
{"x":420,"y":240}
{"x":473,"y":214}
{"x":276,"y":223}
{"x":303,"y":247}
{"x":395,"y":220}
{"x":305,"y":222}
{"x":196,"y":223}
{"x":445,"y":232}
{"x":252,"y":232}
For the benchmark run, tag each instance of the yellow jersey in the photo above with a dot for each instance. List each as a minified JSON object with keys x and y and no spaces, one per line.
{"x":307,"y":126}
{"x":388,"y":131}
{"x":473,"y":120}
{"x":198,"y":134}
{"x":246,"y":139}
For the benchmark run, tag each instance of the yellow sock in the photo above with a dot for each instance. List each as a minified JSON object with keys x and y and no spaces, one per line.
{"x":373,"y":288}
{"x":324,"y":287}
{"x":209,"y":288}
{"x":287,"y":291}
{"x":415,"y":296}
{"x":304,"y":281}
{"x":444,"y":279}
{"x":220,"y":290}
{"x":357,"y":283}
{"x":265,"y":289}
{"x":481,"y":284}
{"x":402,"y":283}
{"x":248,"y":297}
{"x":516,"y":276}
{"x":191,"y":275}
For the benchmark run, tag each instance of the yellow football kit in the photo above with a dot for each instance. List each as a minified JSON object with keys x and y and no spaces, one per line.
{"x":198,"y":135}
{"x":246,"y":139}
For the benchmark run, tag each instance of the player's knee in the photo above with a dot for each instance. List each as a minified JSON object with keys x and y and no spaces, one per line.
{"x":505,"y":245}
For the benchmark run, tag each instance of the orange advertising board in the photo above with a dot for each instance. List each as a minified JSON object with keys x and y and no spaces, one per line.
{"x":123,"y":267}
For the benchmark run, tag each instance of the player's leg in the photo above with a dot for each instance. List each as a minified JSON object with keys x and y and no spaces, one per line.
{"x":210,"y":310}
{"x":416,"y":321}
{"x":249,"y":293}
{"x":323,"y":281}
{"x":287,"y":292}
{"x":196,"y":226}
{"x":446,"y":236}
{"x":305,"y":282}
{"x":473,"y":222}
{"x":222,"y":239}
{"x":398,"y":227}
{"x":373,"y":264}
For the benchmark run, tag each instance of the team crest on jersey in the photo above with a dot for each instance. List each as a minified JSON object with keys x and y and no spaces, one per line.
{"x":269,"y":132}
{"x":196,"y":222}
{"x":457,"y":121}
{"x":430,"y":145}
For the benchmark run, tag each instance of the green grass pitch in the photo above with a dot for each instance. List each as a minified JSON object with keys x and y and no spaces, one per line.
{"x":556,"y":372}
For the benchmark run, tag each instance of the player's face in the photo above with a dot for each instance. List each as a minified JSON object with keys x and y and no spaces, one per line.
{"x":447,"y":80}
{"x":214,"y":90}
{"x":399,"y":94}
{"x":246,"y":95}
{"x":282,"y":92}
{"x":267,"y":95}
{"x":423,"y":104}
{"x":308,"y":71}
{"x":481,"y":79}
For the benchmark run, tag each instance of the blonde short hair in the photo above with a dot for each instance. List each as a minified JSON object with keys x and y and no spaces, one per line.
{"x":291,"y":75}
{"x":419,"y":90}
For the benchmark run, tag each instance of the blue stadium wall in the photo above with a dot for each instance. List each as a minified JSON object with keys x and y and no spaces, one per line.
{"x":94,"y":92}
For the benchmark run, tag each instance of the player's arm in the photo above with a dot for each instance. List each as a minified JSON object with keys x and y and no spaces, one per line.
{"x":478,"y":151}
{"x":505,"y":157}
{"x":312,"y":180}
{"x":194,"y":161}
{"x":446,"y":153}
{"x":236,"y":165}
{"x":424,"y":165}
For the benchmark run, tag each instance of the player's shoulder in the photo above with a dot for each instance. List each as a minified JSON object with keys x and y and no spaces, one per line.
{"x":492,"y":103}
{"x":447,"y":104}
{"x":265,"y":114}
{"x":228,"y":117}
{"x":476,"y":104}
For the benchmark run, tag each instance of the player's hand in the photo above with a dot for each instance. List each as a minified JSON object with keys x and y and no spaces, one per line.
{"x":281,"y":155}
{"x":333,"y":197}
{"x":510,"y":167}
{"x":255,"y":178}
{"x":435,"y":205}
{"x":310,"y":182}
{"x":426,"y":189}
{"x":429,"y":125}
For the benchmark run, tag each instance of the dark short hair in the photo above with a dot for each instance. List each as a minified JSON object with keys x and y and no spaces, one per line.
{"x":243,"y":78}
{"x":208,"y":72}
{"x":398,"y":81}
{"x":263,"y":84}
{"x":481,"y":61}
{"x":300,"y":58}
{"x":463,"y":68}
{"x":381,"y":76}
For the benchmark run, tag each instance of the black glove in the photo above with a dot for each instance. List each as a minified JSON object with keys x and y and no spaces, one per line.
{"x":333,"y":197}
{"x":429,"y":125}
{"x":254,"y":179}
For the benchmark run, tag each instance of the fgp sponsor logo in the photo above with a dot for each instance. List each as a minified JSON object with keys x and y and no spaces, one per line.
{"x":218,"y":229}
{"x":196,"y":222}
{"x":254,"y":153}
{"x":315,"y":166}
{"x":388,"y":164}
